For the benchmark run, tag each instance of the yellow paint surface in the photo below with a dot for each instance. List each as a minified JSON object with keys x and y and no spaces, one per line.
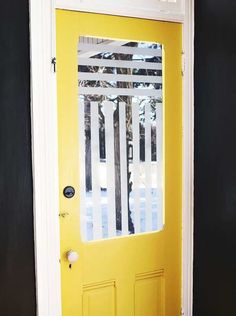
{"x":120,"y":276}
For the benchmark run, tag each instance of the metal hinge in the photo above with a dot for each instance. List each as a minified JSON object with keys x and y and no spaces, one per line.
{"x":182,"y":311}
{"x":64,"y":214}
{"x":183,"y":63}
{"x":54,"y":62}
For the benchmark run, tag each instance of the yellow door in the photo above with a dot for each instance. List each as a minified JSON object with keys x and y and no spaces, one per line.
{"x":120,"y":142}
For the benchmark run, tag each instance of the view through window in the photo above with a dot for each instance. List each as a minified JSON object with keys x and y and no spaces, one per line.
{"x":121,"y":137}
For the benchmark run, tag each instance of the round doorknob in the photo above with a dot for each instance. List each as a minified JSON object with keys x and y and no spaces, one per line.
{"x":72,"y":256}
{"x":69,"y":192}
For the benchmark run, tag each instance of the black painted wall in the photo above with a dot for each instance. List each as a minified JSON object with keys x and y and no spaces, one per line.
{"x":215,"y":158}
{"x":17,"y":276}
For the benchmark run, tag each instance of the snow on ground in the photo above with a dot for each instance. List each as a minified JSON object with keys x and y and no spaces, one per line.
{"x":156,"y":211}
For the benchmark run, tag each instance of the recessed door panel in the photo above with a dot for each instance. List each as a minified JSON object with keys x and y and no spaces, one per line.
{"x":150,"y":293}
{"x":99,"y":299}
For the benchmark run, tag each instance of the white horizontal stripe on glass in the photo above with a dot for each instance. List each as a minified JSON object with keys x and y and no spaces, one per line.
{"x":120,"y":91}
{"x":118,"y":63}
{"x":123,"y":78}
{"x":99,"y":48}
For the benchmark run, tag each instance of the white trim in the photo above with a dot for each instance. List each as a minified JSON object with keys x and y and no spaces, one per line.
{"x":155,"y":10}
{"x":45,"y":155}
{"x":44,"y":139}
{"x":188,"y":158}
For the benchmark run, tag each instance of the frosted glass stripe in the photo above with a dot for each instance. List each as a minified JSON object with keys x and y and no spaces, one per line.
{"x":148,"y":170}
{"x":99,"y":48}
{"x":83,"y":217}
{"x":160,"y":152}
{"x":160,"y":213}
{"x":120,"y":91}
{"x":95,"y":159}
{"x":118,"y":63}
{"x":122,"y":78}
{"x":159,"y":132}
{"x":136,"y":165}
{"x":123,"y":169}
{"x":110,"y":167}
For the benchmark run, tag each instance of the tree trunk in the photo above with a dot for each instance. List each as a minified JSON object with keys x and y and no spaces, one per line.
{"x":88,"y":166}
{"x":117,"y":170}
{"x":128,"y":102}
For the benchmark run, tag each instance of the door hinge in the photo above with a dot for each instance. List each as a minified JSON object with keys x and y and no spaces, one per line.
{"x":183,"y":63}
{"x":64,"y":214}
{"x":182,"y":312}
{"x":54,"y":62}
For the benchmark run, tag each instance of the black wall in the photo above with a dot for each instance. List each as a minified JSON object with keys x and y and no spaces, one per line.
{"x":215,"y":158}
{"x":17,"y":280}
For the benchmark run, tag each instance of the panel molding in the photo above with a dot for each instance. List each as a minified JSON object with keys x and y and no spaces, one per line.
{"x":96,"y":285}
{"x":151,"y":274}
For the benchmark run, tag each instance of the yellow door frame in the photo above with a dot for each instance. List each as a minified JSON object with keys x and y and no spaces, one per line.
{"x":45,"y":148}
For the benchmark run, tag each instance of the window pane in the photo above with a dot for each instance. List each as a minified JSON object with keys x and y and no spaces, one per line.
{"x":121,"y":137}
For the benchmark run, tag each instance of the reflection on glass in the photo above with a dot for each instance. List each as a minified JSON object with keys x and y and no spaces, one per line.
{"x":121,"y":137}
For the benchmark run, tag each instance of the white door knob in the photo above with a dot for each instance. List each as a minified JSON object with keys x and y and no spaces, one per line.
{"x":72,"y":256}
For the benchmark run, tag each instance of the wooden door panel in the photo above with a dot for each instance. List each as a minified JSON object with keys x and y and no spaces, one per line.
{"x":136,"y":274}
